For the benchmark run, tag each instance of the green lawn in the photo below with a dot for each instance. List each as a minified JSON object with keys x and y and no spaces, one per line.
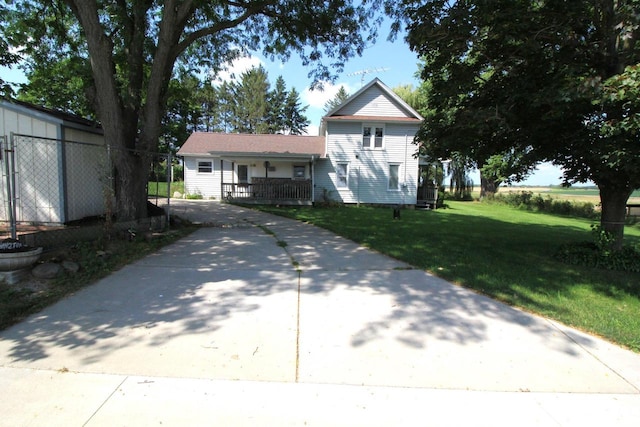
{"x":504,"y":253}
{"x":159,"y":189}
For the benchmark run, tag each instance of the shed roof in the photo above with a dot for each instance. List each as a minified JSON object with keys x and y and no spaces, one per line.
{"x":51,"y":115}
{"x":211,"y":143}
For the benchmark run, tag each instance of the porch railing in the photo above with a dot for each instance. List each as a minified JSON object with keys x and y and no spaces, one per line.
{"x":427,"y":196}
{"x":269,"y":190}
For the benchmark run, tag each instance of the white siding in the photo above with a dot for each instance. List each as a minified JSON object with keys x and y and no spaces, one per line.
{"x":12,"y":121}
{"x":39,"y":200}
{"x":368,"y":169}
{"x":373,"y":102}
{"x":209,"y":184}
{"x":87,"y":178}
{"x":205,"y":184}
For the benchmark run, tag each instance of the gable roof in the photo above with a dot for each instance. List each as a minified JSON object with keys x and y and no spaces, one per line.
{"x":411,"y":115}
{"x":246,"y":145}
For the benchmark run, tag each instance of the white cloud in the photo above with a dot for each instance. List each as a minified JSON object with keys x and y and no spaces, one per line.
{"x":234,"y":70}
{"x":317,"y":98}
{"x":312,"y":130}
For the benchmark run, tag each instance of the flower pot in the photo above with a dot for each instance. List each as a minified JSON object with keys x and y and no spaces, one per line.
{"x":18,"y":260}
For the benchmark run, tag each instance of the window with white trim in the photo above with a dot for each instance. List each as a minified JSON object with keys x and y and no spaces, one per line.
{"x":373,"y":136}
{"x":394,"y":176}
{"x":342,"y":170}
{"x":205,"y":166}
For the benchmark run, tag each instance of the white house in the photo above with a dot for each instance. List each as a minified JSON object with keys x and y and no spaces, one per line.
{"x":364,"y":154}
{"x":56,"y":159}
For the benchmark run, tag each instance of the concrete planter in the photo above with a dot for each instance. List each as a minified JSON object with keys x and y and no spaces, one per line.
{"x":10,"y":261}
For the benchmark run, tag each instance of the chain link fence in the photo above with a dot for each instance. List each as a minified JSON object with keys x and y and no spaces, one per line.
{"x":50,"y":184}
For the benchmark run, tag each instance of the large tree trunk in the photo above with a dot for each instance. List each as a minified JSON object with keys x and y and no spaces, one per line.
{"x":131,"y":177}
{"x":614,"y":209}
{"x":488,"y":187}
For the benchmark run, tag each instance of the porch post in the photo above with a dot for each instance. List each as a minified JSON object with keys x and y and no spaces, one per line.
{"x":313,"y":177}
{"x":222,"y":179}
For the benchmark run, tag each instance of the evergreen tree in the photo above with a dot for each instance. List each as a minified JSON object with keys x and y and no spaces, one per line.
{"x":276,"y":117}
{"x":295,"y":121}
{"x":251,"y":102}
{"x":340,"y":97}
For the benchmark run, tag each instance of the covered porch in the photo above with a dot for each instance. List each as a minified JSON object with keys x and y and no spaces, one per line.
{"x":253,"y":168}
{"x":280,"y":179}
{"x":285,"y":191}
{"x":429,"y":178}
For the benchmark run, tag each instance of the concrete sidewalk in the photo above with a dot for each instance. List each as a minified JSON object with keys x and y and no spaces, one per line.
{"x":288,"y":324}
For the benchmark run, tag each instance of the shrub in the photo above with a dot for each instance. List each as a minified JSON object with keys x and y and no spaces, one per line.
{"x":528,"y":201}
{"x":599,"y":253}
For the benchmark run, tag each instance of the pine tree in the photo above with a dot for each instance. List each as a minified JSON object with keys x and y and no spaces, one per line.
{"x":340,"y":97}
{"x":295,"y":121}
{"x":276,"y":111}
{"x":251,"y":102}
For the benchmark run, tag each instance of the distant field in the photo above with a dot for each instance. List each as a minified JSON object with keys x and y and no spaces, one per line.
{"x":582,"y":194}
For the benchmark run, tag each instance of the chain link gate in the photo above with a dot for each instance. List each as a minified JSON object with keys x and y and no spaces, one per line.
{"x":52,"y":182}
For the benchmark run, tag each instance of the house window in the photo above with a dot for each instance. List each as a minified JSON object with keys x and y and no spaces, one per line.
{"x":298,"y":171}
{"x":341,"y":175}
{"x":243,"y":174}
{"x":372,"y":136}
{"x":394,"y":174}
{"x":205,"y":166}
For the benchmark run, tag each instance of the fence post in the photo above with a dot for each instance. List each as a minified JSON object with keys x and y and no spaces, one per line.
{"x":11,"y":184}
{"x":169,"y":179}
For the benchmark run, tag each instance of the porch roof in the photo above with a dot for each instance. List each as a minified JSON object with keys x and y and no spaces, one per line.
{"x":256,"y":145}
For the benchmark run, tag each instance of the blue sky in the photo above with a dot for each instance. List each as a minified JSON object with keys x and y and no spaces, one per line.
{"x":391,"y":62}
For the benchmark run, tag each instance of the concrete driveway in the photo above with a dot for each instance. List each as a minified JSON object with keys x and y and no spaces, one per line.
{"x":260,"y":320}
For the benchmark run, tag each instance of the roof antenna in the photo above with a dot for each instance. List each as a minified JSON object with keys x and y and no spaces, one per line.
{"x":363,"y":73}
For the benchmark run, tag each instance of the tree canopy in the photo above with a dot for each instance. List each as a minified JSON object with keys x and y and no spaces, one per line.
{"x":132,"y":47}
{"x":542,"y":80}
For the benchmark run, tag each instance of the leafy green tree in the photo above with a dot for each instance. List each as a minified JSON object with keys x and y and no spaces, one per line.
{"x":536,"y":87}
{"x":133,"y":46}
{"x":341,"y":96}
{"x":184,"y":111}
{"x":62,"y":84}
{"x":417,"y":98}
{"x":7,"y":58}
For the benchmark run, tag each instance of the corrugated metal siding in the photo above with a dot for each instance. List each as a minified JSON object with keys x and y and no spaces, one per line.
{"x":87,"y":175}
{"x":37,"y":201}
{"x":11,"y":121}
{"x":373,"y":102}
{"x":40,"y":165}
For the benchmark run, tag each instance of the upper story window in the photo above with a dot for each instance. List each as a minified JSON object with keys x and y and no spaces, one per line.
{"x":372,"y":136}
{"x":205,"y":166}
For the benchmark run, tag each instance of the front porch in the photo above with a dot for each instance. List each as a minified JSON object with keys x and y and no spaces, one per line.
{"x":270,"y":191}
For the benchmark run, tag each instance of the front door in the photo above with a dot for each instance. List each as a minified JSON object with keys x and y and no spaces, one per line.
{"x":243,"y":174}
